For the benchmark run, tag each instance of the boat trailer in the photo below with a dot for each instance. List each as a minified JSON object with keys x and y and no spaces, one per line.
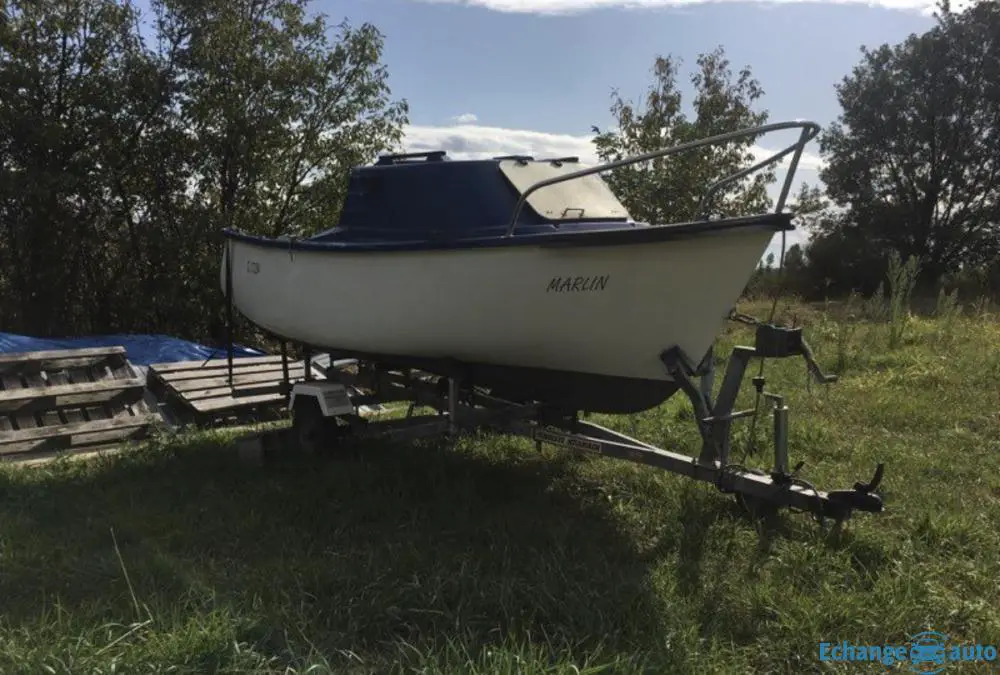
{"x":328,"y":414}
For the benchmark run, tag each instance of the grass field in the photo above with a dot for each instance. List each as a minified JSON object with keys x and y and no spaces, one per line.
{"x":488,"y":557}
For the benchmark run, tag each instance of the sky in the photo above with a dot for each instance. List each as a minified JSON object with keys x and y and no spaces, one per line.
{"x":493,"y":77}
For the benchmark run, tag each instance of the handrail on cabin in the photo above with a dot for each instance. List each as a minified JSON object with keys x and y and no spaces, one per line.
{"x":809,"y":131}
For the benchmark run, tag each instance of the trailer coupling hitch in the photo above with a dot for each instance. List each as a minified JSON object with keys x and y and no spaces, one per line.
{"x":862,"y":497}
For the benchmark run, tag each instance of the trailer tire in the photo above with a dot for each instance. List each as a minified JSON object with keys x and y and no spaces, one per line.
{"x":311,"y":429}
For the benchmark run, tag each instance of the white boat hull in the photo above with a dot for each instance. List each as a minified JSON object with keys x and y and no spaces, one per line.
{"x":598,"y":310}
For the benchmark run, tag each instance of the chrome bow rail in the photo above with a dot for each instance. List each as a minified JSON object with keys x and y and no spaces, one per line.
{"x":809,"y":131}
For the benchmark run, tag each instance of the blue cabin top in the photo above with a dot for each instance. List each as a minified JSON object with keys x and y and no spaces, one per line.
{"x":421,"y":196}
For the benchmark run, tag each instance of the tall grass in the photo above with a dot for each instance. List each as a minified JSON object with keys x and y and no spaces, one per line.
{"x":902,"y":280}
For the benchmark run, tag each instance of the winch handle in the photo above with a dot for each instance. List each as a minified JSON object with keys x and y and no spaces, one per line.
{"x":813,"y":366}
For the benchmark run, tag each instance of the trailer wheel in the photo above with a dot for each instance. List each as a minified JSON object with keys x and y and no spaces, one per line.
{"x":309,"y":426}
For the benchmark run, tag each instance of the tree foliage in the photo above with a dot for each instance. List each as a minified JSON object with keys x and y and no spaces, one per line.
{"x":72,"y":75}
{"x":277,"y":112}
{"x":124,"y":152}
{"x":913,"y":161}
{"x":669,"y":189}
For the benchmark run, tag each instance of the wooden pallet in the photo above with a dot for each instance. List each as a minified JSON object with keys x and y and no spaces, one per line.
{"x":76,"y":400}
{"x":198,"y":391}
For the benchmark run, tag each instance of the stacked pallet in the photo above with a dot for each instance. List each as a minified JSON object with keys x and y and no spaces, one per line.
{"x":199,"y":392}
{"x":73,"y":400}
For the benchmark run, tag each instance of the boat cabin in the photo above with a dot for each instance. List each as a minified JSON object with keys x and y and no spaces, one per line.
{"x":430,"y":196}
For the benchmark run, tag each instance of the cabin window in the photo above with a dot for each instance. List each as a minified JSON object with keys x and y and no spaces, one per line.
{"x":585,"y":198}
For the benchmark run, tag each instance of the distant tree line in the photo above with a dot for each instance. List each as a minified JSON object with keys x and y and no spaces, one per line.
{"x":913,"y":163}
{"x":128,"y":142}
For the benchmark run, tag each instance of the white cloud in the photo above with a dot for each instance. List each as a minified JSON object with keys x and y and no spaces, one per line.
{"x":472,"y":141}
{"x":808,"y":161}
{"x":465,"y":118}
{"x":555,"y":7}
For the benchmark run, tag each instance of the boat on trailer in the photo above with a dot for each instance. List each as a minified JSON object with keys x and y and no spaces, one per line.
{"x":528,"y":292}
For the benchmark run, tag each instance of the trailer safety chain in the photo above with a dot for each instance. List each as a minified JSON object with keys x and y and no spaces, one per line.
{"x":803,"y":483}
{"x":781,"y":482}
{"x":786,"y":481}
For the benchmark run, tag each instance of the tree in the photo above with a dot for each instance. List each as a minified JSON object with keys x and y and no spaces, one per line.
{"x":275,"y":115}
{"x":835,"y":260}
{"x":669,"y":189}
{"x":913,"y":158}
{"x":840,"y":261}
{"x":73,"y":76}
{"x":122,"y":156}
{"x":277,"y":112}
{"x":795,"y":261}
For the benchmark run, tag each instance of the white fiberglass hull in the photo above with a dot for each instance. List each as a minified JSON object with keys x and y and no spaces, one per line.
{"x":600,"y":310}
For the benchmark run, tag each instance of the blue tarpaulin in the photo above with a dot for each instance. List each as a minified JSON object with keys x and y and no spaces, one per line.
{"x":141,"y":350}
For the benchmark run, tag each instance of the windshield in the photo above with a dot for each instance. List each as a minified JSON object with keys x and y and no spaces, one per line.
{"x":584,"y":198}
